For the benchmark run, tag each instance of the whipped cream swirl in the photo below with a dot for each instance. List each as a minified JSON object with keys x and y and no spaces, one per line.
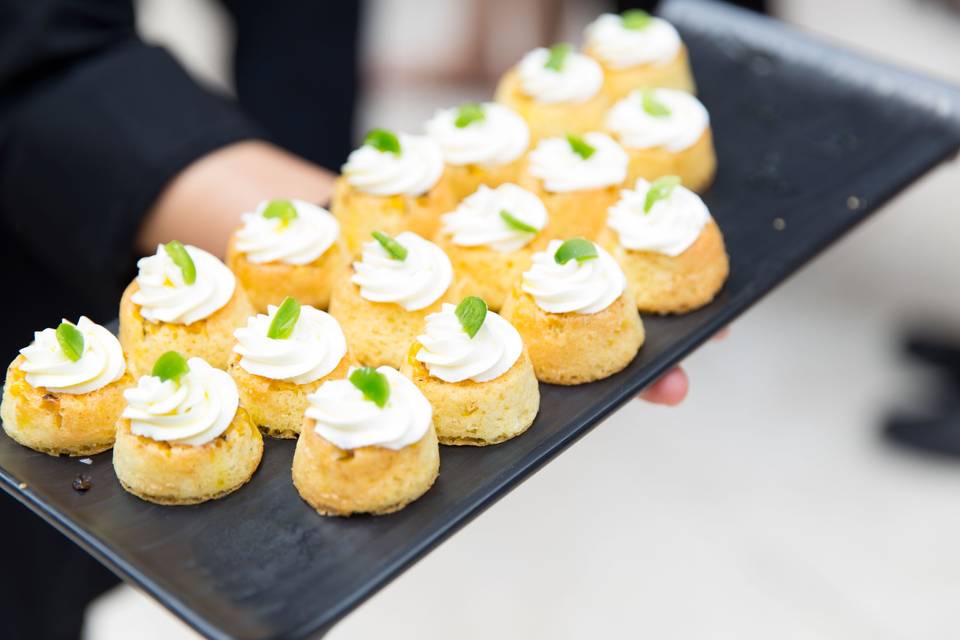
{"x":298,"y":241}
{"x":412,"y":172}
{"x":637,"y":129}
{"x":578,"y":79}
{"x":193,"y":411}
{"x":670,"y":227}
{"x":580,"y":287}
{"x":413,"y":283}
{"x":562,"y":169}
{"x":47,"y":366}
{"x":619,"y":47}
{"x":478,"y":220}
{"x":499,"y":138}
{"x":165,"y":297}
{"x":347,"y":420}
{"x":451,"y":355}
{"x":313,"y":350}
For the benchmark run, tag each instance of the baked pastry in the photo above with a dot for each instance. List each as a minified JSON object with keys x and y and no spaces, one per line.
{"x":64,"y":393}
{"x":665,"y":132}
{"x":669,"y":246}
{"x":396,"y":284}
{"x":367,"y":445}
{"x":576,"y":314}
{"x":287,"y":248}
{"x":488,"y":239}
{"x":183,"y":438}
{"x":473,"y":368}
{"x":638,"y":51}
{"x":183,"y":299}
{"x":482,"y":144}
{"x":577,"y":178}
{"x":392,"y":183}
{"x":282,"y":356}
{"x":557,"y":91}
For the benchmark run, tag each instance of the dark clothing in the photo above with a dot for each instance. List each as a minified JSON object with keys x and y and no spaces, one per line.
{"x":93,"y":124}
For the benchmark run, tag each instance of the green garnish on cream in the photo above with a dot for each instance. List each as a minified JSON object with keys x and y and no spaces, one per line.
{"x":468,"y":114}
{"x":516,"y":223}
{"x":282,"y":210}
{"x":557,"y":56}
{"x":580,"y":146}
{"x":170,"y":366}
{"x":471,"y":312}
{"x":178,"y":253}
{"x":70,"y":340}
{"x":372,"y":384}
{"x":579,"y":249}
{"x":396,"y":250}
{"x":284,"y":320}
{"x":383,"y":140}
{"x":653,"y":106}
{"x":635,"y":19}
{"x":660,"y":189}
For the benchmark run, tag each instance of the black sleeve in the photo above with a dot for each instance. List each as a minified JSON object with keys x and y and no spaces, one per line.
{"x":93,"y":123}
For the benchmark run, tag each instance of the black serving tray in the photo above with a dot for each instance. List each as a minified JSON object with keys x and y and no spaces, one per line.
{"x":811,"y":140}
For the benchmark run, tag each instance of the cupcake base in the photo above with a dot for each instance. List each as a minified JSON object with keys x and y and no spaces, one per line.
{"x":485,"y":272}
{"x":696,"y":165}
{"x":178,"y":474}
{"x":466,"y":179}
{"x":573,"y":213}
{"x":479,"y":413}
{"x":674,"y":284}
{"x":547,"y":120}
{"x":277,"y":406}
{"x":375,"y":480}
{"x":61,"y":424}
{"x":574,"y":348}
{"x":211,"y":338}
{"x":674,"y":74}
{"x":360,"y":214}
{"x":269,"y":283}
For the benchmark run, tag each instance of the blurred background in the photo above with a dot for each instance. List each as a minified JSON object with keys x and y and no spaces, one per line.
{"x":766,"y":506}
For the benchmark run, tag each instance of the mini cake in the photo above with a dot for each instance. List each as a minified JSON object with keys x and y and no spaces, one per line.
{"x":282,"y":356}
{"x":183,"y":438}
{"x":391,"y":184}
{"x":390,"y":291}
{"x":482,"y":144}
{"x":183,"y":299}
{"x":557,"y":91}
{"x":472,"y":366}
{"x":488,"y":239}
{"x":668,"y":244}
{"x":64,"y":393}
{"x":577,"y":178}
{"x":287,"y":248}
{"x":576,"y":314}
{"x":665,"y":132}
{"x":638,"y":51}
{"x":367,"y":445}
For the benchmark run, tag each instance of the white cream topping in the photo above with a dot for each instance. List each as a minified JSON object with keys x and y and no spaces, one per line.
{"x":670,"y":227}
{"x":298,"y":241}
{"x":194,"y":411}
{"x":561,"y":169}
{"x":451,"y":355}
{"x":478,"y":220}
{"x":165,"y":297}
{"x":620,"y":47}
{"x":499,"y":138}
{"x":413,"y":283}
{"x":313,"y":350}
{"x":412,"y":172}
{"x":637,"y":129}
{"x":581,"y":287}
{"x":349,"y":421}
{"x":578,"y":80}
{"x":47,"y":366}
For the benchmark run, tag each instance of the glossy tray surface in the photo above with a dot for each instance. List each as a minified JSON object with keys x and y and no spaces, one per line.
{"x":811,"y":140}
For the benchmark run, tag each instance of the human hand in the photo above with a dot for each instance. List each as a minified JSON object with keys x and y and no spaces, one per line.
{"x":672,"y":387}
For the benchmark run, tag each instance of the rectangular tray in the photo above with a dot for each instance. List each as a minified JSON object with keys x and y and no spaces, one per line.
{"x":811,"y":140}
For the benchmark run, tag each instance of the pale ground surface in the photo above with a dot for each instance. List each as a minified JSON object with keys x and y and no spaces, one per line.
{"x":766,"y":506}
